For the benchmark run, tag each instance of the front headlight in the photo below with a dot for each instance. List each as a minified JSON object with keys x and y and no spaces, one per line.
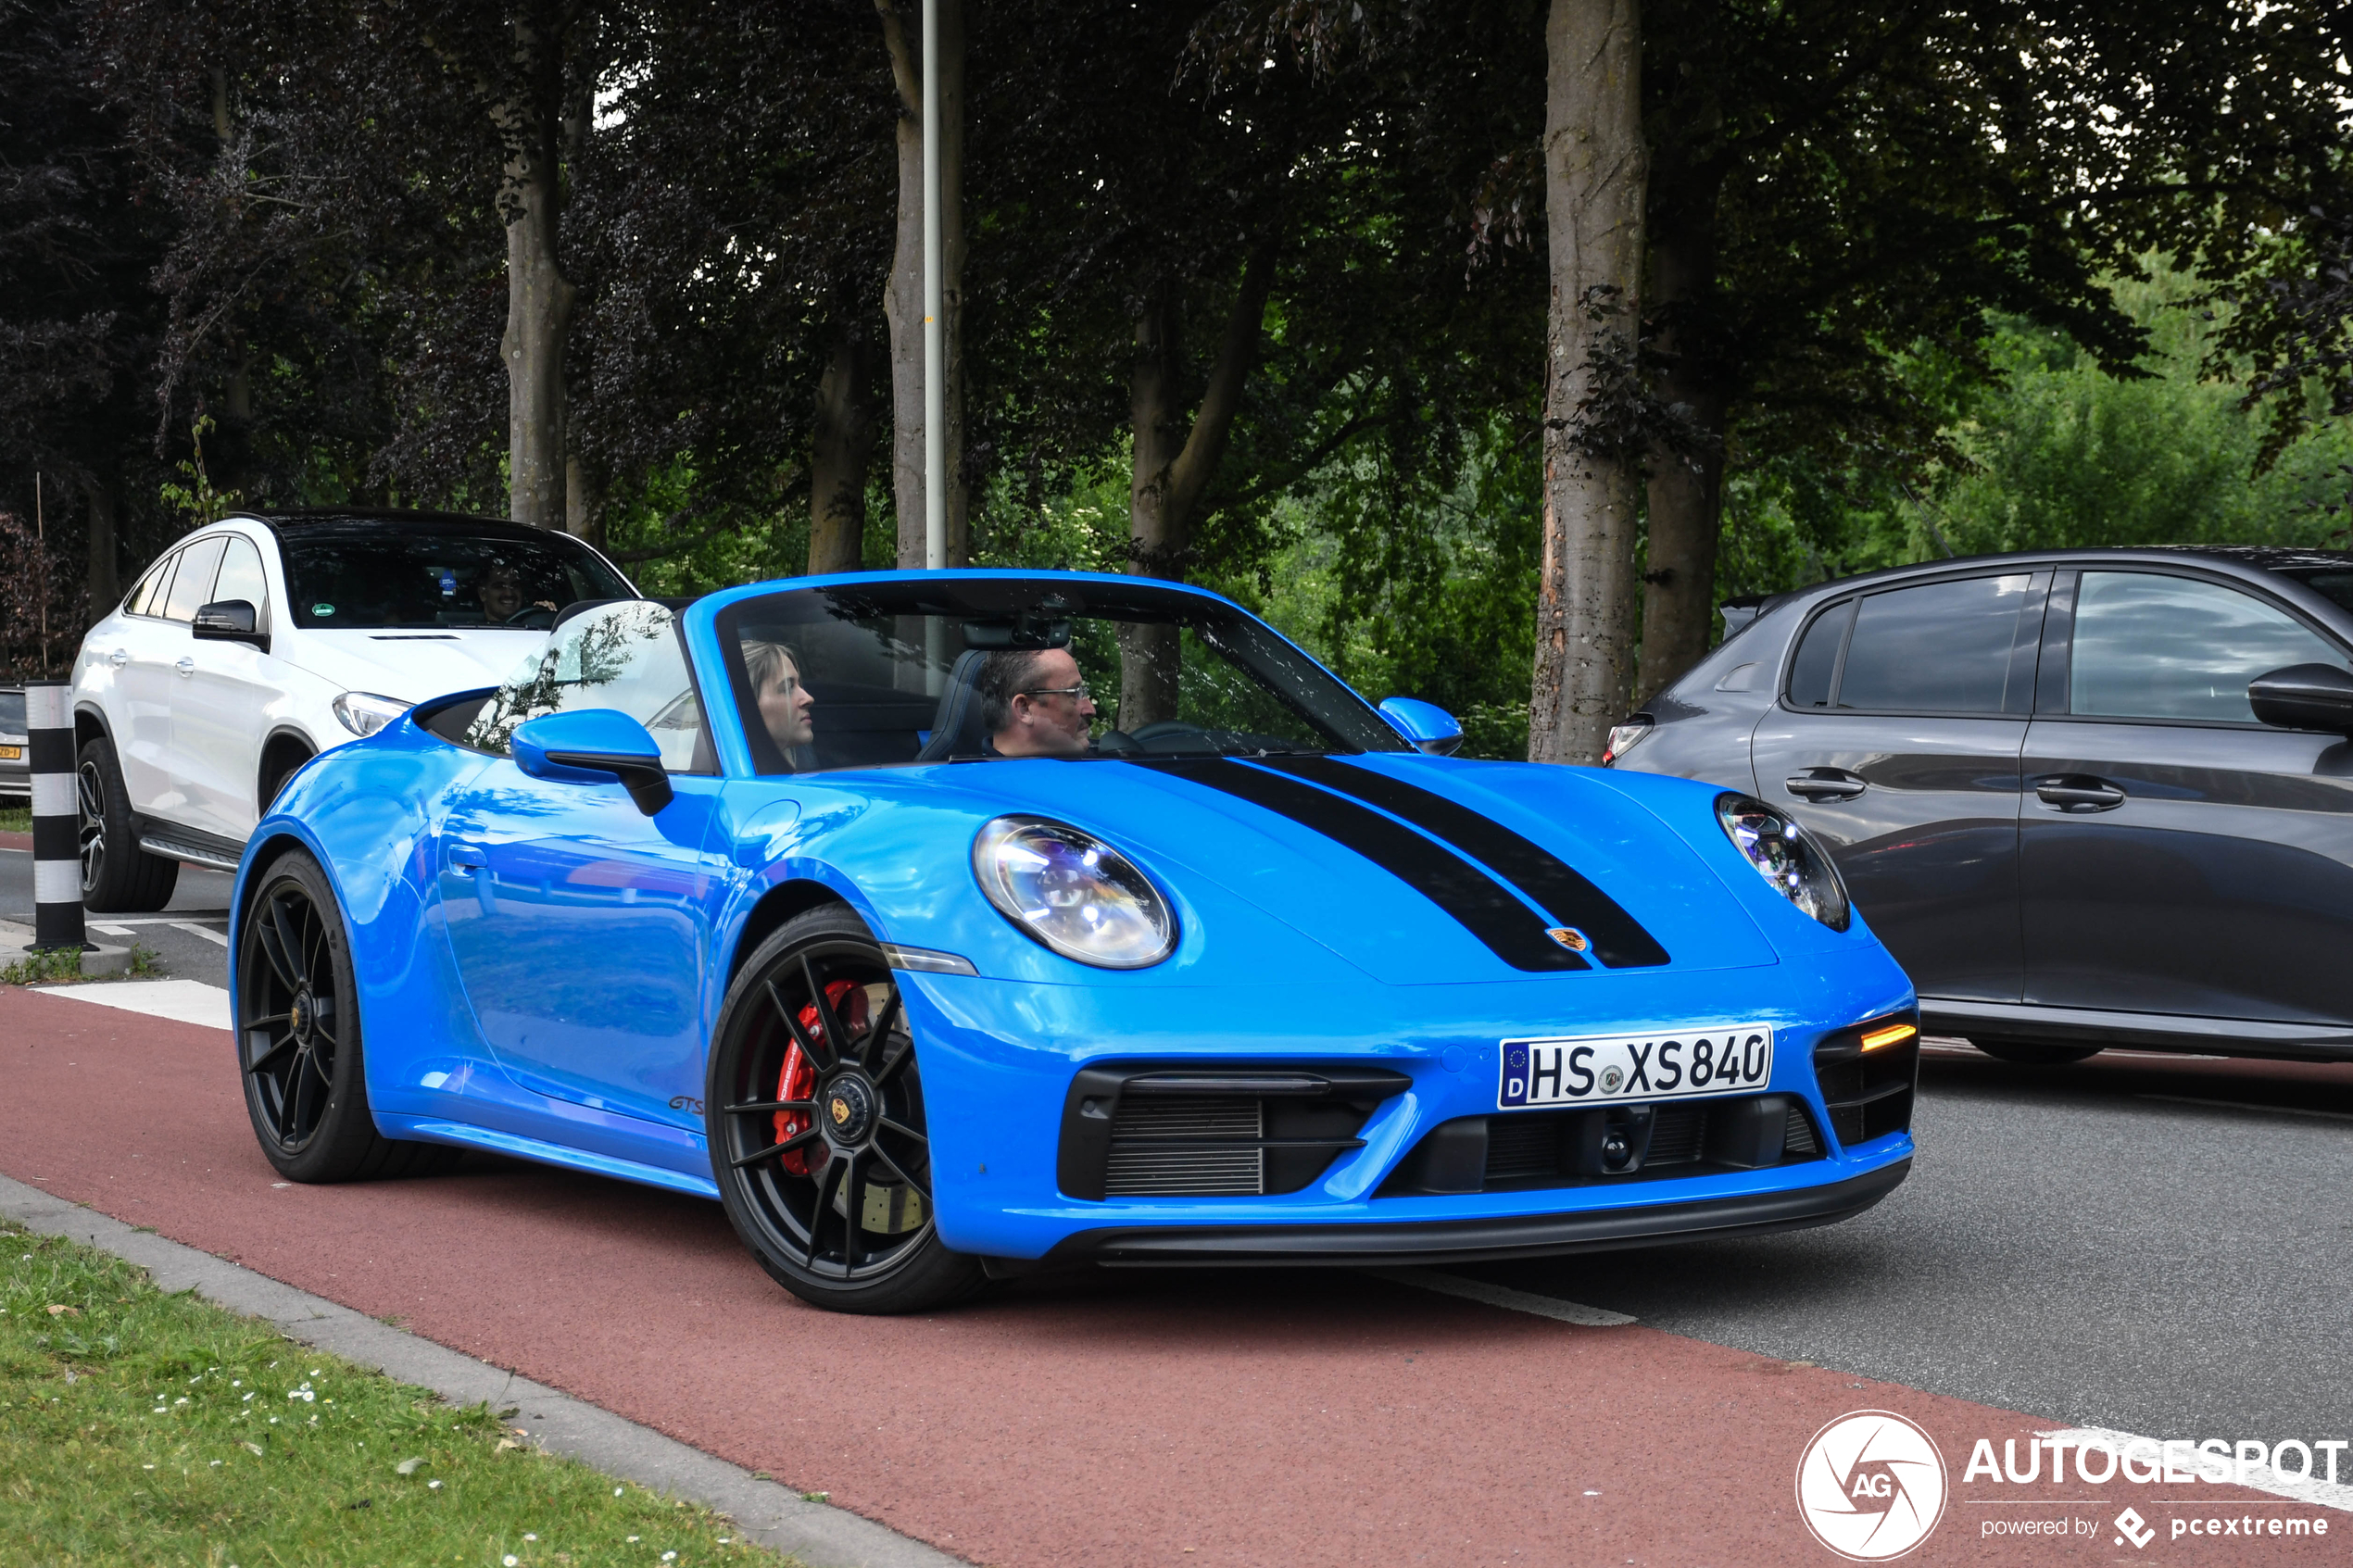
{"x":1073,"y":893}
{"x":364,"y":713}
{"x":1786,"y":856}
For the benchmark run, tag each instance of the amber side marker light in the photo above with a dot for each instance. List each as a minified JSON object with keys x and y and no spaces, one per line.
{"x":1893,"y":1035}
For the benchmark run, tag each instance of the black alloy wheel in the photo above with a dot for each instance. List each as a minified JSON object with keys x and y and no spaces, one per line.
{"x":2034,"y":1053}
{"x":818,"y":1133}
{"x":298,"y":1037}
{"x":118,"y":877}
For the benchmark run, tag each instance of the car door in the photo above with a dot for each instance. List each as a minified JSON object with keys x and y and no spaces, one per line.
{"x":162,"y":663}
{"x":216,"y":717}
{"x":2176,"y":855}
{"x":140,"y":655}
{"x":1896,"y":742}
{"x":579,"y":925}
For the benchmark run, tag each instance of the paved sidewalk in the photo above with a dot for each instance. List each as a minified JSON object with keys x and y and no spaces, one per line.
{"x":1274,"y":1418}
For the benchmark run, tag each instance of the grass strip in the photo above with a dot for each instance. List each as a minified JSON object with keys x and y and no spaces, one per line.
{"x":138,"y":1427}
{"x":15,"y":818}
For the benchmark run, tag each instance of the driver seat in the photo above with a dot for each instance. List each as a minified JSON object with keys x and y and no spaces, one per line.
{"x":956,"y":730}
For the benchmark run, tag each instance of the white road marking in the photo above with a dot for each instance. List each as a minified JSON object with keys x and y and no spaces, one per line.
{"x":173,"y":918}
{"x":2245,"y":1105}
{"x":193,"y":929}
{"x":2259,"y":1478}
{"x":1503,"y":1295}
{"x":184,"y":1001}
{"x":109,"y":928}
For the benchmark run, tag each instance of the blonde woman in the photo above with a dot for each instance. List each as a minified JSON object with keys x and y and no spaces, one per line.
{"x":786,"y":706}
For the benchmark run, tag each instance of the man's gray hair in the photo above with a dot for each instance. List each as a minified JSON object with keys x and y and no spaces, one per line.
{"x":1002,"y":677}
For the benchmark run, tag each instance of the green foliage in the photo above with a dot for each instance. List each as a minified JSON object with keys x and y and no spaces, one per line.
{"x":43,"y":967}
{"x":141,"y":1428}
{"x":197,"y":501}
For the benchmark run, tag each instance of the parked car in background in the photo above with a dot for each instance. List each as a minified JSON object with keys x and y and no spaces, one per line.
{"x":2086,"y":797}
{"x":16,"y":763}
{"x":262,"y":640}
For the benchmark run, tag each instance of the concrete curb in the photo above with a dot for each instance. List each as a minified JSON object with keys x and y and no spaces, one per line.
{"x":769,"y":1512}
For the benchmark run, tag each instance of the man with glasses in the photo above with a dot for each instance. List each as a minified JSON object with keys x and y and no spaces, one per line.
{"x":1034,"y":703}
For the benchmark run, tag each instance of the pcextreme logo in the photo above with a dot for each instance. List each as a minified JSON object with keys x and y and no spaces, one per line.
{"x":1871,"y":1485}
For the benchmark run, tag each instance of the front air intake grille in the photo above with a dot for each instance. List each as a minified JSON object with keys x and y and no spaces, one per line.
{"x":1146,"y":1131}
{"x":1867,"y":1085}
{"x":1529,"y":1150}
{"x":1156,"y":1148}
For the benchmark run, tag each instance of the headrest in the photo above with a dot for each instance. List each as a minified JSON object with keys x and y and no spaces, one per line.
{"x":957,"y":730}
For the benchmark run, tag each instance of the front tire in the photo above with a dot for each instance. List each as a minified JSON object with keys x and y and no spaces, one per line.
{"x":2030,"y":1053}
{"x":298,"y":1037}
{"x":118,"y":877}
{"x":830,"y":1183}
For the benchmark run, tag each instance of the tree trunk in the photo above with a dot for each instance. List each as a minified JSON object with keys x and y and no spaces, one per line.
{"x":1596,"y":169}
{"x":843,"y":449}
{"x":1172,"y":467}
{"x":584,"y":503}
{"x":539,"y":300}
{"x":1686,"y":487}
{"x":105,"y":584}
{"x":903,"y":300}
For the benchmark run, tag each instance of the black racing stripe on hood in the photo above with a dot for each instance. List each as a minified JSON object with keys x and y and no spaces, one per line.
{"x":1618,"y":938}
{"x":1484,"y":907}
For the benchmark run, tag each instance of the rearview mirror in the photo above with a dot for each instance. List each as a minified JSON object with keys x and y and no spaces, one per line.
{"x":2305,"y":696}
{"x":229,"y":620}
{"x":1428,"y":726}
{"x":595,"y":745}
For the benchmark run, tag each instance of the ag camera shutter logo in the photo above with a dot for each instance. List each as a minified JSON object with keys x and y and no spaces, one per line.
{"x":1871,"y":1485}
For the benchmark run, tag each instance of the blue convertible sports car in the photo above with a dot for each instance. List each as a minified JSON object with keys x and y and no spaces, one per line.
{"x":944,"y":924}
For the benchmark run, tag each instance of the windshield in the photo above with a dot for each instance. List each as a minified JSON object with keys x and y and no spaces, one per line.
{"x":885,"y":674}
{"x":383,"y":575}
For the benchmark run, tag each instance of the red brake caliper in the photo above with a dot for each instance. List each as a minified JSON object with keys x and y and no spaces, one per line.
{"x":799,"y":1080}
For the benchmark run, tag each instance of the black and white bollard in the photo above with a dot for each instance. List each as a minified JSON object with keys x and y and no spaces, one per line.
{"x":56,"y":818}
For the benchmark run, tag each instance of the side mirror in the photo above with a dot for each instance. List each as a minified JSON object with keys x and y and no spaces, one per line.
{"x":2305,"y":696}
{"x":1428,"y":726}
{"x":229,"y":620}
{"x":595,"y":745}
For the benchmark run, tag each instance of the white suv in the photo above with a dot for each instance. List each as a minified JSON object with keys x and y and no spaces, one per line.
{"x":260,"y":641}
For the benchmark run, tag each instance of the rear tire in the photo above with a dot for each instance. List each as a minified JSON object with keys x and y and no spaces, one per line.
{"x":118,"y":877}
{"x":298,"y":1037}
{"x":2030,"y":1053}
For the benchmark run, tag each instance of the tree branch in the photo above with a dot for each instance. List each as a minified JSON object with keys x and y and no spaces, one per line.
{"x":1191,"y":473}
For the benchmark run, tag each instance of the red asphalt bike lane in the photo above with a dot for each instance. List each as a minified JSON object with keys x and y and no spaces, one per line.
{"x":1248,"y":1418}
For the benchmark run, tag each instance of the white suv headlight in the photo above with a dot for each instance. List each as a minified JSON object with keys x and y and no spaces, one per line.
{"x":1073,"y":893}
{"x":364,"y":713}
{"x":1786,"y":856}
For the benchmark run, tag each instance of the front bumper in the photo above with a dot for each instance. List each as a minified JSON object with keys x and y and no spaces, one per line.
{"x":1482,"y":1240}
{"x":999,"y":1060}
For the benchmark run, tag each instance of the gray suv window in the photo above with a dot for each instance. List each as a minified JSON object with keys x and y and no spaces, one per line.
{"x":1939,"y":647}
{"x":2150,"y":645}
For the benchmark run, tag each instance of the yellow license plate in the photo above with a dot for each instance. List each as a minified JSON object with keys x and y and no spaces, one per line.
{"x":11,"y":753}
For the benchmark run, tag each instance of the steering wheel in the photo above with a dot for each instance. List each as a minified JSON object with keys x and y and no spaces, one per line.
{"x":531,"y":618}
{"x":1160,"y":736}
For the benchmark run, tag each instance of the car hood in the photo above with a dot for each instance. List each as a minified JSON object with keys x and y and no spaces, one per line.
{"x":1413,"y":886}
{"x":409,"y":665}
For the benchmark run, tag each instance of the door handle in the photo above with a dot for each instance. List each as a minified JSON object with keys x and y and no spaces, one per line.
{"x":1824,"y":785}
{"x":185,"y":665}
{"x":119,"y":658}
{"x":2072,"y":792}
{"x":467,"y":858}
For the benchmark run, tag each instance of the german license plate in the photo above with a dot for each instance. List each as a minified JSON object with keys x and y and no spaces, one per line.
{"x":1601,"y":1068}
{"x":11,"y":753}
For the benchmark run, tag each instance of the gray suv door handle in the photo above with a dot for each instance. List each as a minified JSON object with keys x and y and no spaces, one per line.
{"x":1825,"y":785}
{"x":2075,"y":792}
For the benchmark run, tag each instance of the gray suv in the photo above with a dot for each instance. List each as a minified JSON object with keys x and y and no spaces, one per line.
{"x":2086,"y":797}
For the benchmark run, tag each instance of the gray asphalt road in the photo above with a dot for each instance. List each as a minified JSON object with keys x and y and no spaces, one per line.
{"x":2070,"y":1244}
{"x":200,"y":903}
